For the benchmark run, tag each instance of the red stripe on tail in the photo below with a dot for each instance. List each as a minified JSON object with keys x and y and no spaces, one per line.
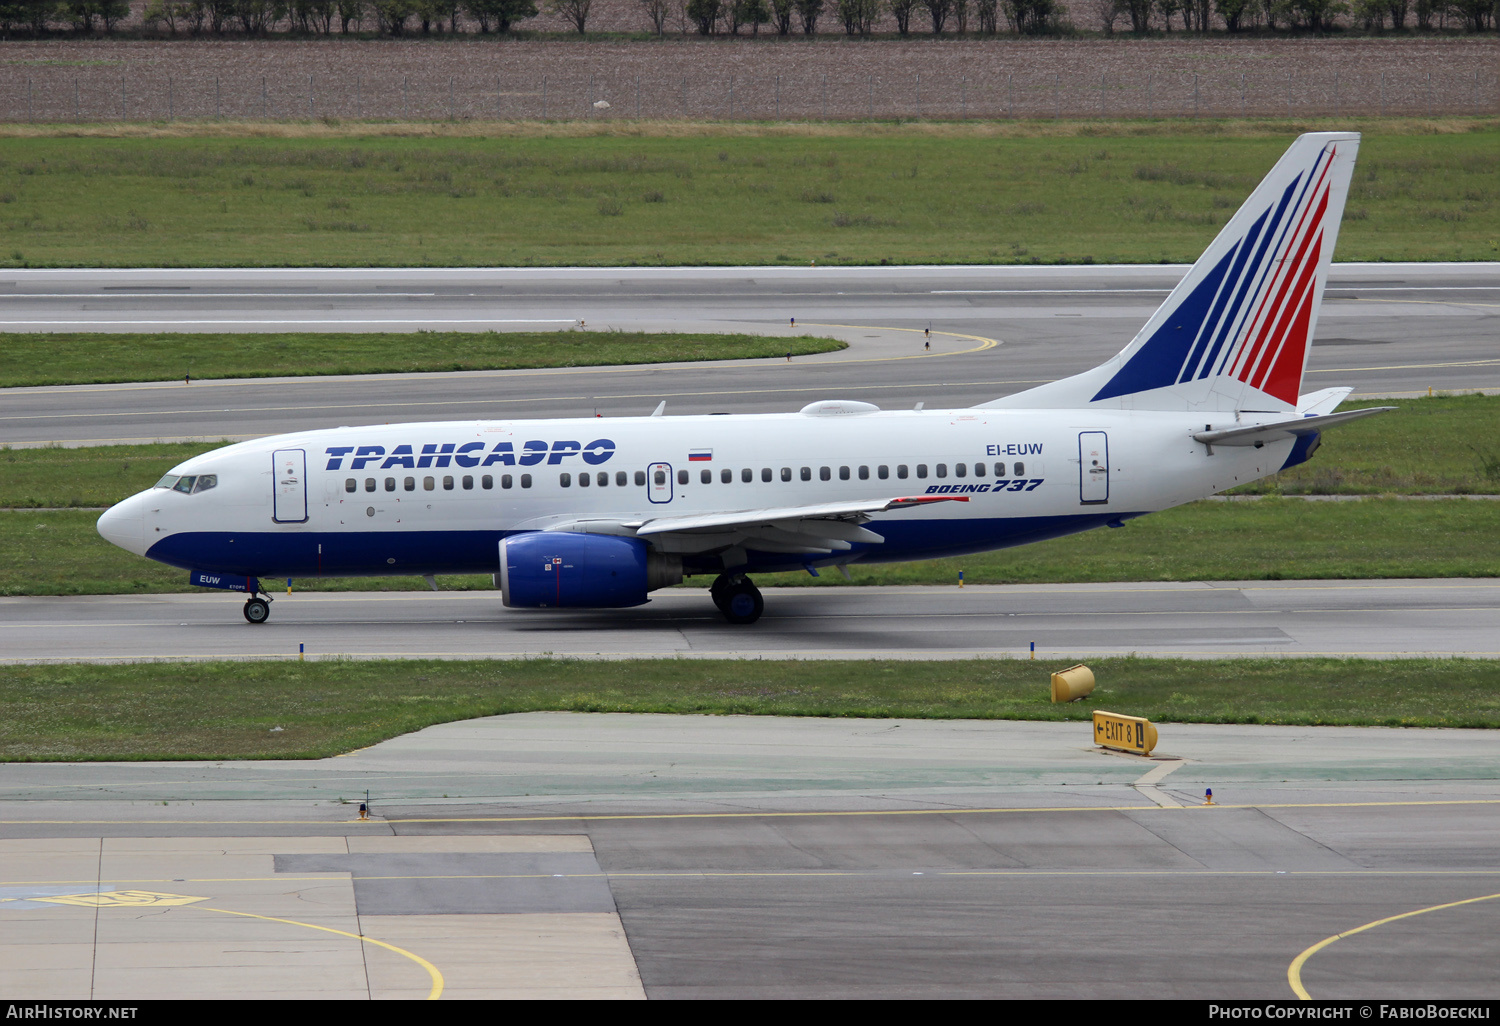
{"x":1276,"y":313}
{"x":1253,"y":352}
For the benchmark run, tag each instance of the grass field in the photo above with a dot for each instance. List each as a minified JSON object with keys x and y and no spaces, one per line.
{"x":60,"y":553}
{"x":1438,"y":446}
{"x":228,"y":710}
{"x":70,"y":358}
{"x":1442,"y":445}
{"x":684,"y":194}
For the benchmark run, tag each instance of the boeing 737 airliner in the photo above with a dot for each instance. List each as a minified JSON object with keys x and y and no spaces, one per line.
{"x":598,"y":513}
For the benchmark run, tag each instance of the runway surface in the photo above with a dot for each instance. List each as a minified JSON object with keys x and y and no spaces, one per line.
{"x":1189,"y":619}
{"x":1384,"y":329}
{"x":556,"y":854}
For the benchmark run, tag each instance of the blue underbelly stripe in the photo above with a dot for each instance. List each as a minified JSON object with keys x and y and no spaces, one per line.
{"x":274,"y":554}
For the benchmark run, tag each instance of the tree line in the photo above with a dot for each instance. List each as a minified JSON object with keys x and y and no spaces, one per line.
{"x":1308,"y":15}
{"x":741,"y":17}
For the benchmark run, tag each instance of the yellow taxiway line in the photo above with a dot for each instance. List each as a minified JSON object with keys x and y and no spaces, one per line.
{"x":1294,"y":971}
{"x":432,"y":970}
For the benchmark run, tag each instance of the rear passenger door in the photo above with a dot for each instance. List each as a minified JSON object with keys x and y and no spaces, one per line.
{"x":1093,"y":468}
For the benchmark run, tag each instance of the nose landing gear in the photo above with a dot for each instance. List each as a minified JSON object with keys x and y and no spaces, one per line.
{"x":257,"y":609}
{"x":737,"y":598}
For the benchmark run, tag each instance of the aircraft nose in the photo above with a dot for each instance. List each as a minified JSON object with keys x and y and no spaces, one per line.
{"x":124,"y":524}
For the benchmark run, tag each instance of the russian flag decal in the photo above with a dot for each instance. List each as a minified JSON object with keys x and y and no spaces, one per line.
{"x":700,"y":455}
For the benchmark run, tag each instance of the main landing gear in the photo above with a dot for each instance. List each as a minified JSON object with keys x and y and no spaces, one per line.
{"x":257,"y":609}
{"x":737,"y":598}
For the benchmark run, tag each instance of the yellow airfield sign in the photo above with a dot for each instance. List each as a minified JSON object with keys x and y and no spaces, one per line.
{"x":1125,"y":733}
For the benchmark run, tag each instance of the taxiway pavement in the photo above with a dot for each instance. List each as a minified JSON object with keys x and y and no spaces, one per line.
{"x":1386,"y":618}
{"x":557,"y":854}
{"x":1384,"y":329}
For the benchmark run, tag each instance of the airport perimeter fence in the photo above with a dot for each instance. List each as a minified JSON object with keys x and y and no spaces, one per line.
{"x":70,"y":95}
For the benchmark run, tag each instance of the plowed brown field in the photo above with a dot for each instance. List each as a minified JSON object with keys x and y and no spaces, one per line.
{"x":487,"y":78}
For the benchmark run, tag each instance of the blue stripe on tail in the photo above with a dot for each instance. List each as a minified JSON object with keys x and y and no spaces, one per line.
{"x":1191,"y":340}
{"x":1157,"y":363}
{"x":1223,"y":324}
{"x":1254,"y":278}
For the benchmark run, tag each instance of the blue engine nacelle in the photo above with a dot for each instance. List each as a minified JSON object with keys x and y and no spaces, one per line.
{"x":562,"y":570}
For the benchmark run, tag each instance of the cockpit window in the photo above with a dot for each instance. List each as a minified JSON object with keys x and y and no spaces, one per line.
{"x":189,"y":484}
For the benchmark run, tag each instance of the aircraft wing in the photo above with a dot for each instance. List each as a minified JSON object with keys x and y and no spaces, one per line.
{"x":1259,"y":434}
{"x":816,"y":529}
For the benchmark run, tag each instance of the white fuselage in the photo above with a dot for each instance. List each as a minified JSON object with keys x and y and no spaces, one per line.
{"x":434,"y":498}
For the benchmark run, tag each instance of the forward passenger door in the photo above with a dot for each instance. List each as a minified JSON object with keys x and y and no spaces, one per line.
{"x":289,"y":468}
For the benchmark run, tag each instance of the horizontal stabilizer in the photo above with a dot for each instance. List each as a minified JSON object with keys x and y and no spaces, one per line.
{"x":1259,"y":434}
{"x":1325,"y":400}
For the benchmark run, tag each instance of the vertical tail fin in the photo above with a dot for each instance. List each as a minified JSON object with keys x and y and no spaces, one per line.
{"x":1235,"y":332}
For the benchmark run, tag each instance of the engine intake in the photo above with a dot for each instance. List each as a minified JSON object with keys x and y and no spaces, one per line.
{"x":562,"y":570}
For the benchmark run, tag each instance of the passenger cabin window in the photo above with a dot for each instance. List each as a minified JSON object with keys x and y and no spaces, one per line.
{"x":1020,"y":470}
{"x":604,"y":479}
{"x":369,"y":484}
{"x":682,"y":477}
{"x":525,"y":480}
{"x":786,"y":473}
{"x":468,"y":482}
{"x":390,"y":484}
{"x":726,"y":477}
{"x":447,"y":482}
{"x":979,"y":470}
{"x":640,"y":477}
{"x":959,"y":470}
{"x":428,"y":484}
{"x":505,"y":480}
{"x":921,"y":470}
{"x":864,"y":473}
{"x":942,"y":470}
{"x":351,"y":485}
{"x":565,"y":479}
{"x":487,"y":482}
{"x":807,"y":473}
{"x":621,"y":479}
{"x":660,"y":477}
{"x":999,"y":469}
{"x":883,"y":471}
{"x":901,"y":471}
{"x":707,"y":476}
{"x":824,"y":474}
{"x":765,"y":473}
{"x":410,"y":484}
{"x":583,"y":480}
